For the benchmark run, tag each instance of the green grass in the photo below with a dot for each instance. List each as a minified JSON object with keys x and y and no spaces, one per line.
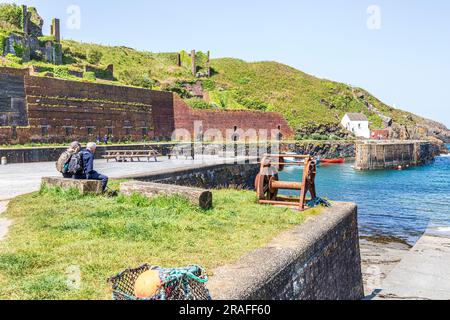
{"x":54,"y":230}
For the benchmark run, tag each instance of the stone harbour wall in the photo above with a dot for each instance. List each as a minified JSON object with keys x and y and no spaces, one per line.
{"x":228,"y":175}
{"x":318,"y":260}
{"x":50,"y":154}
{"x":374,"y":155}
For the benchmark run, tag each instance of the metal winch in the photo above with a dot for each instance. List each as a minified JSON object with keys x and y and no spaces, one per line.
{"x":268,"y":185}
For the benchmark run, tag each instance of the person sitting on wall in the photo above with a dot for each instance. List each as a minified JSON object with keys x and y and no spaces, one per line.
{"x":88,"y":171}
{"x":64,"y":161}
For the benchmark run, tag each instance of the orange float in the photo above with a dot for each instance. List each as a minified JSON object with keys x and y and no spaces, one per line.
{"x":147,"y":284}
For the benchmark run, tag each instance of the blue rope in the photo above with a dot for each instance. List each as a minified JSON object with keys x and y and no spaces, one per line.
{"x":318,"y":202}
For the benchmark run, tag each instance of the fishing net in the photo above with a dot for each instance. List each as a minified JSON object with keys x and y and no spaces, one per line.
{"x":177,"y":284}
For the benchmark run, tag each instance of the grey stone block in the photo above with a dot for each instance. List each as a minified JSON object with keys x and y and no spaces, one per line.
{"x":84,"y":186}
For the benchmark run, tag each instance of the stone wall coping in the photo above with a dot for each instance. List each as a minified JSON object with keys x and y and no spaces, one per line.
{"x":390,"y":142}
{"x":163,"y":174}
{"x":99,"y":146}
{"x":237,"y":281}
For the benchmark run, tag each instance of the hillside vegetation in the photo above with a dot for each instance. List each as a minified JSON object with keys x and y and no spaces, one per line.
{"x":305,"y":101}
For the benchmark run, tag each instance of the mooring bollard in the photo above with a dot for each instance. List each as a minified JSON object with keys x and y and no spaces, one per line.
{"x":4,"y":161}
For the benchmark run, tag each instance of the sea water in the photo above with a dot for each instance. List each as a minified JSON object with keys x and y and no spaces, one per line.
{"x":391,"y":203}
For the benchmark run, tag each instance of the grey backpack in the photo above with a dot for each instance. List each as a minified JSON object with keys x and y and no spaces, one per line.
{"x":75,"y":165}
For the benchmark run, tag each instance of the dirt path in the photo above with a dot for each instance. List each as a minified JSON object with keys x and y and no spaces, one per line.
{"x":4,"y":223}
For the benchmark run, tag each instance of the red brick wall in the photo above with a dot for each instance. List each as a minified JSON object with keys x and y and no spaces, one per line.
{"x":68,"y":108}
{"x":14,"y":71}
{"x":227,"y":120}
{"x":58,"y":104}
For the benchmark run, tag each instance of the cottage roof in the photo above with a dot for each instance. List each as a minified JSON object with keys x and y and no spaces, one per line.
{"x":357,"y":117}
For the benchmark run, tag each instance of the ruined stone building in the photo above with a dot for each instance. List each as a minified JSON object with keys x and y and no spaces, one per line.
{"x":32,"y":43}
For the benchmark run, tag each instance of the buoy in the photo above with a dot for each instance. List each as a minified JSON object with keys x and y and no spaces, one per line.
{"x":4,"y":161}
{"x":147,"y":284}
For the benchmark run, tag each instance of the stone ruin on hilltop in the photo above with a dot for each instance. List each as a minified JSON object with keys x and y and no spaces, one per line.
{"x":30,"y":43}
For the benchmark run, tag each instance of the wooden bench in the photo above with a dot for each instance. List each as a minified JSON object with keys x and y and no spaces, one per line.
{"x":131,"y":155}
{"x":84,"y":186}
{"x":181,"y":151}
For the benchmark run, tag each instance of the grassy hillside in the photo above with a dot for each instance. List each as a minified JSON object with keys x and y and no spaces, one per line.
{"x":305,"y":101}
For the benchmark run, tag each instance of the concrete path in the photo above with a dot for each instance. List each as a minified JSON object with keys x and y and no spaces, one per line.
{"x":4,"y":223}
{"x":18,"y":179}
{"x":378,"y":260}
{"x":424,"y":272}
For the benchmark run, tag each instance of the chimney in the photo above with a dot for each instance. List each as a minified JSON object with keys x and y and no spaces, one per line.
{"x":194,"y":63}
{"x":208,"y":64}
{"x":25,"y":19}
{"x":55,"y":30}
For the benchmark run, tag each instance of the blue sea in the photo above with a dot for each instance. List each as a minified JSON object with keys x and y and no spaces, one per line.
{"x":399,"y":204}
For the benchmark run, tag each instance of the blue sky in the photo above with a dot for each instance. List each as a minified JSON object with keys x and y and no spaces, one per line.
{"x":398,"y":50}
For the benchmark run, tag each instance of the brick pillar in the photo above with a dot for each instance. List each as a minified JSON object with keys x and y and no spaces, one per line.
{"x":25,"y":19}
{"x":194,"y":63}
{"x":55,"y":29}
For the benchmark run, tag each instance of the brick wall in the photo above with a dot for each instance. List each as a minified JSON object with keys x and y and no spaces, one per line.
{"x":228,"y":120}
{"x":56,"y":110}
{"x":12,"y":98}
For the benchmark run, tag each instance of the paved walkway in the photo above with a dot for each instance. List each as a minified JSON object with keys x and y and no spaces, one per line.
{"x":424,"y":272}
{"x":18,"y":179}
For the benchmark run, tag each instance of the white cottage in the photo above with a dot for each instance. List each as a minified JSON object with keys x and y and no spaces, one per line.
{"x":357,"y":123}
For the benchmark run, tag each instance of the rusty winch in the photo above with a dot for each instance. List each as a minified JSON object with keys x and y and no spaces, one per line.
{"x":267,"y":183}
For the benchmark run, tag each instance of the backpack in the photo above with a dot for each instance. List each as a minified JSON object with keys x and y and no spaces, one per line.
{"x":75,"y":165}
{"x":63,"y":162}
